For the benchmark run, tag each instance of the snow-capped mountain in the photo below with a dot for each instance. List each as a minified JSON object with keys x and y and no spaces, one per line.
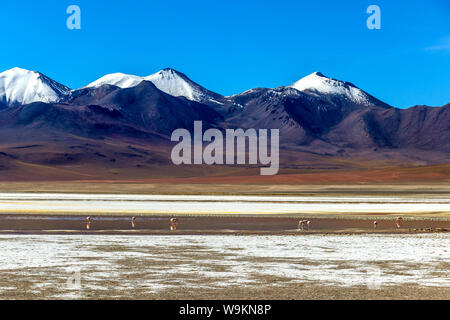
{"x":318,"y":84}
{"x":177,"y":84}
{"x":19,"y":86}
{"x":120,"y":127}
{"x":167,"y":80}
{"x":120,"y":80}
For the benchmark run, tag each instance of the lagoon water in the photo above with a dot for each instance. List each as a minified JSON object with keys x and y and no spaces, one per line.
{"x":134,"y":204}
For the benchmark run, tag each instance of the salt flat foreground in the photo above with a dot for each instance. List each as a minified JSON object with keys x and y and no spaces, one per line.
{"x":313,"y":266}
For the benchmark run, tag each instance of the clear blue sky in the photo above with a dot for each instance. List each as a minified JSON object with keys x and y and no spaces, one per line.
{"x":230,"y":46}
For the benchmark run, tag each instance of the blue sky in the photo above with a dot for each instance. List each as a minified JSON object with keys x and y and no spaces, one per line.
{"x":230,"y":46}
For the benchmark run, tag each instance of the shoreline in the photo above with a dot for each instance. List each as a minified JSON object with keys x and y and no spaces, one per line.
{"x":268,"y":225}
{"x":136,"y":187}
{"x":440,"y":216}
{"x":217,"y":233}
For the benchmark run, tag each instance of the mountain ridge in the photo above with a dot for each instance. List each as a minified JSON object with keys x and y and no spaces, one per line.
{"x":109,"y":131}
{"x":174,"y":83}
{"x":168,"y":80}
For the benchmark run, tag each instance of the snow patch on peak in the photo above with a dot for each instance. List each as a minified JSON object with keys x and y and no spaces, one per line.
{"x":21,"y":86}
{"x":317,"y":83}
{"x":118,"y":79}
{"x":177,"y":84}
{"x":167,"y":80}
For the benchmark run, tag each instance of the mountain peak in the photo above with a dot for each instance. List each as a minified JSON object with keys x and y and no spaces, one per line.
{"x":167,"y":80}
{"x":167,"y":73}
{"x":176,"y":84}
{"x":18,"y":72}
{"x":170,"y":74}
{"x":17,"y":69}
{"x":317,"y":83}
{"x":169,"y":70}
{"x":318,"y":74}
{"x":22,"y":86}
{"x":117,"y":79}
